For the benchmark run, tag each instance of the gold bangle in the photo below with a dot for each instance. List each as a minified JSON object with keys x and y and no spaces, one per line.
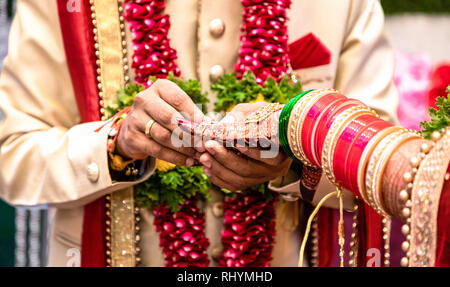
{"x":366,"y":155}
{"x":330,"y":140}
{"x":291,"y":133}
{"x":317,"y":97}
{"x":293,"y":136}
{"x":373,"y":162}
{"x":380,"y":167}
{"x":295,"y":126}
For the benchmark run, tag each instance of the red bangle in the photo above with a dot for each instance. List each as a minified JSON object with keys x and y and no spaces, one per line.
{"x":343,"y":144}
{"x":345,"y":147}
{"x":354,"y":154}
{"x":327,"y":120}
{"x":328,"y":113}
{"x":311,"y":119}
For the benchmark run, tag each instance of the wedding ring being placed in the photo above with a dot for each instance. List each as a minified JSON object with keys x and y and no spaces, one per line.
{"x":148,"y":128}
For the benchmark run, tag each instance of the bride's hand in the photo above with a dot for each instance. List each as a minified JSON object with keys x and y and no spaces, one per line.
{"x":235,"y":131}
{"x":252,"y":164}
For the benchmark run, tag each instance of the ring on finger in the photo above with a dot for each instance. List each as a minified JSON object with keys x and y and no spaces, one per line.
{"x":148,"y":128}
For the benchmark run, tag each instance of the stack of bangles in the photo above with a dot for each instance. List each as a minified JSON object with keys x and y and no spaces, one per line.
{"x":352,"y":145}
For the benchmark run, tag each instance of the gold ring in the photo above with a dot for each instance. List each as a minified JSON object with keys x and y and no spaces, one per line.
{"x":148,"y":128}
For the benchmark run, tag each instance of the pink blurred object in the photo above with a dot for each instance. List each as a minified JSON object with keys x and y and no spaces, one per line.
{"x":412,"y":77}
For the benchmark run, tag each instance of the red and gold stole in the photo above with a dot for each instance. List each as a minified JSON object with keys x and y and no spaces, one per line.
{"x":93,"y":42}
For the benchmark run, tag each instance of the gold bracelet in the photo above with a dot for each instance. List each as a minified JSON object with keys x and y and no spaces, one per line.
{"x":263,"y":113}
{"x":362,"y":166}
{"x":380,"y":167}
{"x":330,"y":140}
{"x":295,"y":126}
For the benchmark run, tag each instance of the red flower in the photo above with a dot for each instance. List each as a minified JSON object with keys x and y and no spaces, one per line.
{"x":153,"y":55}
{"x":440,"y":80}
{"x":182,"y":236}
{"x":249,"y":231}
{"x":264,"y":41}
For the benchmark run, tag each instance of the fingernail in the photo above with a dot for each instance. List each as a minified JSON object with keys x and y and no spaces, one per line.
{"x":190,"y":162}
{"x":207,"y":171}
{"x":206,"y":163}
{"x":211,"y":147}
{"x":242,"y":149}
{"x":182,"y":121}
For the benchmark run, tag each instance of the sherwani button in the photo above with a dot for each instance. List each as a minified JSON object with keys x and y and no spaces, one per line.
{"x":217,"y":209}
{"x":216,"y":72}
{"x":216,"y":253}
{"x":93,"y":172}
{"x":216,"y":27}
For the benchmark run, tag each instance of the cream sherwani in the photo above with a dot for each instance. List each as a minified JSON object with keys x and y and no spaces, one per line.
{"x":48,"y":157}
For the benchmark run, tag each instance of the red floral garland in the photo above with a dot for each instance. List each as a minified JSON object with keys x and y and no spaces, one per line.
{"x":153,"y":55}
{"x":264,"y":39}
{"x":249,"y":231}
{"x":181,"y":234}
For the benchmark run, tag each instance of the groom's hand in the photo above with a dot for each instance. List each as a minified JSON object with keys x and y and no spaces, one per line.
{"x":163,"y":102}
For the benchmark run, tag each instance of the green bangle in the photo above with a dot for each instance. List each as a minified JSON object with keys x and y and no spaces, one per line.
{"x":284,"y":118}
{"x":284,"y":121}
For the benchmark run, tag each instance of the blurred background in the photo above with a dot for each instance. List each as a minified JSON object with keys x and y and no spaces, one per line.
{"x":419,"y":31}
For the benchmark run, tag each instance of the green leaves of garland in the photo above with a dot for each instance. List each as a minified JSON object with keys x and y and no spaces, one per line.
{"x":231,"y":91}
{"x":173,"y":187}
{"x":440,"y":119}
{"x":125,"y":98}
{"x":191,"y":87}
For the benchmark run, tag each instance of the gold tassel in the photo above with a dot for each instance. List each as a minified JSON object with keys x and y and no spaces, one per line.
{"x":338,"y":193}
